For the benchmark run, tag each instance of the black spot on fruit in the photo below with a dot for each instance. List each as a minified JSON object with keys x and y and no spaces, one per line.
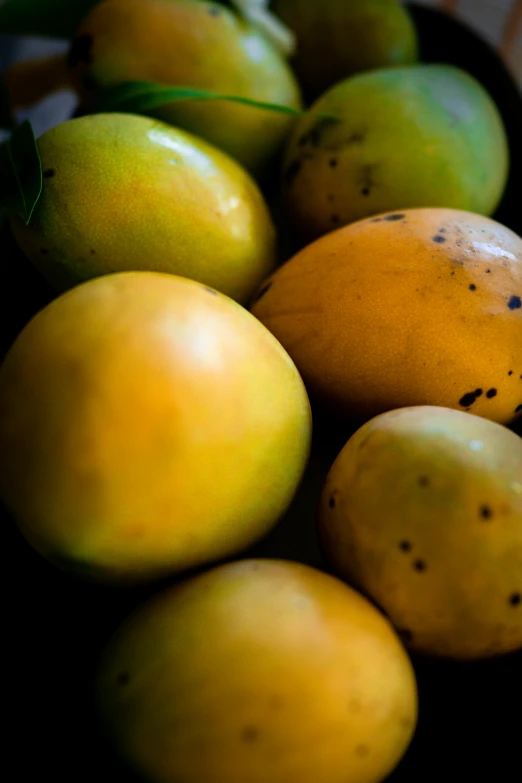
{"x":214,"y":11}
{"x":80,"y":51}
{"x":405,"y":634}
{"x":292,"y":171}
{"x":314,"y":135}
{"x":423,"y":481}
{"x":123,"y":679}
{"x":472,"y":287}
{"x":262,"y":291}
{"x":210,"y":290}
{"x":515,"y":599}
{"x":518,"y":408}
{"x":333,"y":162}
{"x":331,"y":502}
{"x":405,"y":546}
{"x":376,"y":220}
{"x":394,"y":217}
{"x":469,"y":398}
{"x":514,"y":302}
{"x":510,"y":372}
{"x":437,"y":238}
{"x":250,"y":734}
{"x":488,"y":271}
{"x":491,"y":393}
{"x":48,"y":173}
{"x":366,"y":179}
{"x":485,"y":512}
{"x":419,"y":565}
{"x":357,"y":137}
{"x":442,"y":230}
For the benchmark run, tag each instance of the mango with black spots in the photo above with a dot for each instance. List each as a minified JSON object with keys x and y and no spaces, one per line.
{"x":258,"y":671}
{"x":123,"y":192}
{"x":420,"y":307}
{"x":422,"y":510}
{"x":148,"y":425}
{"x":423,"y":135}
{"x":336,"y":38}
{"x":191,"y":43}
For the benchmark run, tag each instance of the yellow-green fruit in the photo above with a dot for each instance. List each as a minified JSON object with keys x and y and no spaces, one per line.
{"x":422,"y":510}
{"x":194,"y":44}
{"x":259,"y":671}
{"x":336,"y":38}
{"x":417,"y":136}
{"x":148,"y":424}
{"x":407,"y":308}
{"x":123,"y":192}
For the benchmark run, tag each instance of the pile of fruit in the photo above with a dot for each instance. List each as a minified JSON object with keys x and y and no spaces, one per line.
{"x":261,"y":218}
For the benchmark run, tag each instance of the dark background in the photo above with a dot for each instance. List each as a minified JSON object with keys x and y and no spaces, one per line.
{"x":470,"y":722}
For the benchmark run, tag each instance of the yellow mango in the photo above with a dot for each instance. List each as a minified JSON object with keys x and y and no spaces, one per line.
{"x":422,"y":510}
{"x":192,"y":43}
{"x":148,"y":425}
{"x":123,"y":192}
{"x":417,"y":307}
{"x":259,"y":671}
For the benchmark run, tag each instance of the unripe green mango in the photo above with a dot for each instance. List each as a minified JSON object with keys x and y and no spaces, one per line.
{"x":416,"y":136}
{"x":336,"y":38}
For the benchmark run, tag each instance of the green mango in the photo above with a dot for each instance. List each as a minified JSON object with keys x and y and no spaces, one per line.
{"x":416,"y":136}
{"x":337,"y":38}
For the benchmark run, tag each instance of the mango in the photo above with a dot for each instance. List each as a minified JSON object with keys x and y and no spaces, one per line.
{"x":413,"y":136}
{"x":419,"y":307}
{"x":148,"y":425}
{"x":124,"y":192}
{"x":265,"y":671}
{"x":422,"y":510}
{"x":192,"y":43}
{"x":337,"y":38}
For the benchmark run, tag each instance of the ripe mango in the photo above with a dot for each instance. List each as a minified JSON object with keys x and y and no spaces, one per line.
{"x":148,"y":425}
{"x":123,"y":192}
{"x":192,"y":43}
{"x":259,"y":671}
{"x":414,"y":136}
{"x":422,"y":510}
{"x":336,"y":38}
{"x":417,"y":307}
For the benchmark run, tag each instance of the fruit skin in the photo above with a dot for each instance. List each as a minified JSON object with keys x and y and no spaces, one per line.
{"x":338,"y":38}
{"x":422,"y":510}
{"x":123,"y":192}
{"x":265,"y":671}
{"x":417,"y":307}
{"x":148,"y":425}
{"x":416,"y":136}
{"x":193,"y":44}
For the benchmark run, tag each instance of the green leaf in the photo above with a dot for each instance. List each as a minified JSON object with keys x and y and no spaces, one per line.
{"x":20,"y":173}
{"x":51,"y":18}
{"x":140,"y":97}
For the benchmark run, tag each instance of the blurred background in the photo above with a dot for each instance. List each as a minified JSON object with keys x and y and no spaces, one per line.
{"x":499,"y":22}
